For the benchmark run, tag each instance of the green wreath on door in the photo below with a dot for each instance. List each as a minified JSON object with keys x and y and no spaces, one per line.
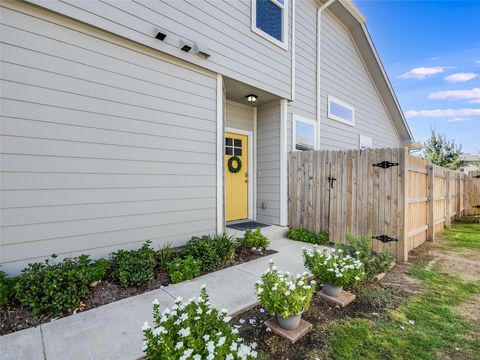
{"x":231,"y":167}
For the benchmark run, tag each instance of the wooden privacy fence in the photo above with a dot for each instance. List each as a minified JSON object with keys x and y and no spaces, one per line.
{"x":399,"y":199}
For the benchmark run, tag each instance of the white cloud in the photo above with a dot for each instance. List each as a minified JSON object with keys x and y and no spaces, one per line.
{"x":424,"y":72}
{"x":472,"y":95}
{"x":460,"y":77}
{"x":442,"y":113}
{"x":457,"y":118}
{"x":433,"y":58}
{"x":477,"y":62}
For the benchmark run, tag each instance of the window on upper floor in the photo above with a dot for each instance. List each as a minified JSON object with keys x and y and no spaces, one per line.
{"x":304,"y":134}
{"x":269,"y":19}
{"x":341,"y":111}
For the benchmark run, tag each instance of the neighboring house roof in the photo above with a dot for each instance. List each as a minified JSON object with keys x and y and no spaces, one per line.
{"x":351,"y":17}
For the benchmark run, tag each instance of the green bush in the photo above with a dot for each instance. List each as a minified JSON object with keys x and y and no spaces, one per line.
{"x":164,"y":254}
{"x":304,"y":235}
{"x":255,"y":239}
{"x":193,"y":330}
{"x":98,"y":269}
{"x":57,"y":288}
{"x":212,"y":251}
{"x":183,"y":269}
{"x":7,"y":287}
{"x":378,"y":263}
{"x":134,"y":267}
{"x":360,"y":246}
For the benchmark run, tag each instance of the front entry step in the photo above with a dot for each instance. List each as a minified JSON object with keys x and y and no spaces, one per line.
{"x":272,"y":232}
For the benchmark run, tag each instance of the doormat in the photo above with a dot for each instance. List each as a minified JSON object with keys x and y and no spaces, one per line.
{"x":247,"y":225}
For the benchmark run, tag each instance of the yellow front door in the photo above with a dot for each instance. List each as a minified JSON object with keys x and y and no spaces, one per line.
{"x":236,"y":183}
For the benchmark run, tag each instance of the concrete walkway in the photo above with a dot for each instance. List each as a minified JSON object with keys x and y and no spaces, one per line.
{"x":113,"y":331}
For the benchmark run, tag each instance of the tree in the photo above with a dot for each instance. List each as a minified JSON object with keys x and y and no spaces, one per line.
{"x":443,"y":152}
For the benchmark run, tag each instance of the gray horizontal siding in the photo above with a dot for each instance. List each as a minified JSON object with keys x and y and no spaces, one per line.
{"x":239,"y":116}
{"x":225,"y":26}
{"x":343,"y":75}
{"x":102,"y":147}
{"x":268,"y":162}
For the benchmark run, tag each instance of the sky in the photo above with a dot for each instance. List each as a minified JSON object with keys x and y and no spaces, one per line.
{"x":431,"y":51}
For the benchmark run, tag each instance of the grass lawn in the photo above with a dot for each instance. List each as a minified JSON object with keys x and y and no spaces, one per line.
{"x":420,"y":311}
{"x":465,"y":234}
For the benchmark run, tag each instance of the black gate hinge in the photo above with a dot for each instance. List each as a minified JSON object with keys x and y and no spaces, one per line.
{"x":385,"y":164}
{"x":384,"y":238}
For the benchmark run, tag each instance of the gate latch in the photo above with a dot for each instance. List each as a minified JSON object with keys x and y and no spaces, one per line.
{"x":331,"y":179}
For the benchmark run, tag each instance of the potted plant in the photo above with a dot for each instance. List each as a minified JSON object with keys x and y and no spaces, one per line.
{"x":334,"y":269}
{"x":285,"y":296}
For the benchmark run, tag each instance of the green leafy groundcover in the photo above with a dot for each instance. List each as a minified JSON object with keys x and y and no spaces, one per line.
{"x":301,"y":234}
{"x":417,"y":330}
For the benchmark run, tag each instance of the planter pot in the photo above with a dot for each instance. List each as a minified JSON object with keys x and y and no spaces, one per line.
{"x":289,"y":323}
{"x":331,"y":290}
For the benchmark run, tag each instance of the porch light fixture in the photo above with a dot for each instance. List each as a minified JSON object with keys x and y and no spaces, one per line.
{"x":251,"y":99}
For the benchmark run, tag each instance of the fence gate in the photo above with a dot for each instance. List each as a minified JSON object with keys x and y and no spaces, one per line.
{"x":472,"y":206}
{"x":349,"y":191}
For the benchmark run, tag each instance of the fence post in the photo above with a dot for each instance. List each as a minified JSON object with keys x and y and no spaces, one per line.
{"x":448,"y":195}
{"x":430,"y":204}
{"x":402,"y":251}
{"x":458,"y":215}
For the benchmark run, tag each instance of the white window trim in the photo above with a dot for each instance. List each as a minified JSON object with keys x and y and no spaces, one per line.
{"x":294,"y":131}
{"x":283,"y":44}
{"x":343,"y":103}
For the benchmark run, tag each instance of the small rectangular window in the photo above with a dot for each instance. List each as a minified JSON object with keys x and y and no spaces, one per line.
{"x":341,"y":111}
{"x":365,"y":142}
{"x":304,"y":134}
{"x":269,"y":19}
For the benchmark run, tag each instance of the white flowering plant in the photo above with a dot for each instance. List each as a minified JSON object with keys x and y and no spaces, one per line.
{"x":194,"y":330}
{"x":283,"y":294}
{"x":334,"y":267}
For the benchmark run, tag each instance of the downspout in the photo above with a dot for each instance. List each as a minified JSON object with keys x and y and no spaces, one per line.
{"x":319,"y":34}
{"x":292,"y":95}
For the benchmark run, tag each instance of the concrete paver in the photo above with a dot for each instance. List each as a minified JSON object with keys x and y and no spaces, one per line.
{"x":22,"y":345}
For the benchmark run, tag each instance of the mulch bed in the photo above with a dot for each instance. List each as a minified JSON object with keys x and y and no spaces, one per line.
{"x":321,"y":315}
{"x":14,"y":317}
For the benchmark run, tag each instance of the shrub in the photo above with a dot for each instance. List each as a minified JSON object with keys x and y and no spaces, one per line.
{"x":7,"y":286}
{"x":378,"y":263}
{"x":98,"y":269}
{"x":304,"y":235}
{"x":284,"y":294}
{"x":255,"y":239}
{"x":134,"y":267}
{"x":183,"y":269}
{"x":334,"y":268}
{"x":56,"y":288}
{"x":212,"y":251}
{"x":164,"y":254}
{"x":193,"y":330}
{"x":360,"y":247}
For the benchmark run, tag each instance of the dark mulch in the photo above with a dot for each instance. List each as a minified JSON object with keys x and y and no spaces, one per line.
{"x":372,"y":302}
{"x":14,"y":317}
